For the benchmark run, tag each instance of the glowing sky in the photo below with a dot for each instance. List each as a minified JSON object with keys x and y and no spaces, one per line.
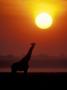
{"x":17,"y":27}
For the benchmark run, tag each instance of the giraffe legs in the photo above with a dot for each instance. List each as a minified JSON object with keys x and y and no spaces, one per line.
{"x":13,"y":70}
{"x":26,"y":69}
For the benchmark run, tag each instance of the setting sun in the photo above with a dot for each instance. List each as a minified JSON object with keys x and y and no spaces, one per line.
{"x":43,"y":21}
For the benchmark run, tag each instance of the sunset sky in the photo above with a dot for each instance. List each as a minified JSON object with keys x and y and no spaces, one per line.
{"x":18,"y":29}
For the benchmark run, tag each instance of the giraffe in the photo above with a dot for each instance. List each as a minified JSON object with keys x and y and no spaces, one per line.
{"x":23,"y":64}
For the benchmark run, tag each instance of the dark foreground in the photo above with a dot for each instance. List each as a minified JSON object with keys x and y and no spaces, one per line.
{"x":33,"y":76}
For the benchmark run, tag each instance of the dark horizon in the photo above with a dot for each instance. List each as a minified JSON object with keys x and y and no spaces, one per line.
{"x":37,"y":63}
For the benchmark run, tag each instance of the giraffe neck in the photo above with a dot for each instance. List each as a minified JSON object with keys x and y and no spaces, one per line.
{"x":29,"y":53}
{"x":28,"y":56}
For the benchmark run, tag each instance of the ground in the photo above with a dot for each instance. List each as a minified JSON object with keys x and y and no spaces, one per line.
{"x":33,"y":76}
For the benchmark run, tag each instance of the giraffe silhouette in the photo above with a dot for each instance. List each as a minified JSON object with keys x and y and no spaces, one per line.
{"x":23,"y":64}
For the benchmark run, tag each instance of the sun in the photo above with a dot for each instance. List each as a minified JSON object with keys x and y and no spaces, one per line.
{"x":44,"y":21}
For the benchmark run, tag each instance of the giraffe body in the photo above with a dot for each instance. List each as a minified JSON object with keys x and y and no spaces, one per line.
{"x":23,"y":64}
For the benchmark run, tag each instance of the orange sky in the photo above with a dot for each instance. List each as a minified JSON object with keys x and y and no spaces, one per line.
{"x":17,"y":27}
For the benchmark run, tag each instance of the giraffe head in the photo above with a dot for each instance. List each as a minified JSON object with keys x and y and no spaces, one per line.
{"x":33,"y":44}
